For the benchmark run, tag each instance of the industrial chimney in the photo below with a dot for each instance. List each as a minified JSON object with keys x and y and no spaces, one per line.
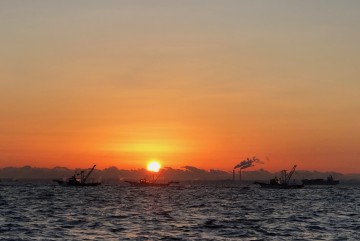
{"x":240,"y":178}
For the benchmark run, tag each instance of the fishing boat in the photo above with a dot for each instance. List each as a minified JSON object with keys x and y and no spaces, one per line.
{"x":150,"y":183}
{"x":78,"y":179}
{"x":319,"y":181}
{"x":283,"y":182}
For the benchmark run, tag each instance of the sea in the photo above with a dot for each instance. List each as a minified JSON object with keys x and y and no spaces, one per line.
{"x":33,"y":211}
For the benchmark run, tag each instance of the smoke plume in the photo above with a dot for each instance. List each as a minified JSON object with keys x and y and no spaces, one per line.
{"x":248,"y":163}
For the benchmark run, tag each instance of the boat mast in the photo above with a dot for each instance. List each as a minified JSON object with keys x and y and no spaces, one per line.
{"x":283,"y":177}
{"x":154,"y":180}
{"x":82,"y":177}
{"x":290,"y":174}
{"x":92,"y":169}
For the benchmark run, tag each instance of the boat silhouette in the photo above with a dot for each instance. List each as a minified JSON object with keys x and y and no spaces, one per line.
{"x":281,"y":183}
{"x":150,"y":183}
{"x":78,"y":179}
{"x":319,"y":181}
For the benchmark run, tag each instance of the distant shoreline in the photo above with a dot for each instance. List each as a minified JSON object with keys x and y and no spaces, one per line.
{"x":187,"y":174}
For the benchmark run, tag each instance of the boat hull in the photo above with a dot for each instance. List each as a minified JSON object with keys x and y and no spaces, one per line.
{"x":279,"y":186}
{"x":319,"y":182}
{"x":91,"y":184}
{"x":148,"y":184}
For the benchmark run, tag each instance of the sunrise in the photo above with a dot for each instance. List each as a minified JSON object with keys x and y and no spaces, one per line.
{"x":172,"y":95}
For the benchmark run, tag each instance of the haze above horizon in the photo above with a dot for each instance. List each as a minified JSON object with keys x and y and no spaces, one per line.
{"x":204,"y":83}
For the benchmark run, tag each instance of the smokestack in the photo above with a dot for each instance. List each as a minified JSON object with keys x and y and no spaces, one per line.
{"x":240,"y":177}
{"x":245,"y":164}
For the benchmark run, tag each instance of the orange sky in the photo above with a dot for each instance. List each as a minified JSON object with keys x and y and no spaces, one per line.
{"x":205,"y":84}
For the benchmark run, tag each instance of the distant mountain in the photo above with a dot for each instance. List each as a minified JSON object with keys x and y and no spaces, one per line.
{"x":187,"y":173}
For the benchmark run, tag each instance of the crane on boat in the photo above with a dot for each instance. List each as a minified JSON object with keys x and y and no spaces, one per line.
{"x":285,"y":178}
{"x":74,"y":180}
{"x":85,"y":178}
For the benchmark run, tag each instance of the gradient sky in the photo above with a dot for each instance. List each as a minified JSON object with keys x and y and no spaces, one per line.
{"x":201,"y":83}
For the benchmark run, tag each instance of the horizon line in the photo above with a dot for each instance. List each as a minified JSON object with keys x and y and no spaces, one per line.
{"x":181,"y":168}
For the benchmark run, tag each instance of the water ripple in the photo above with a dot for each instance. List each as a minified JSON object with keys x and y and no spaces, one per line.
{"x":50,"y":212}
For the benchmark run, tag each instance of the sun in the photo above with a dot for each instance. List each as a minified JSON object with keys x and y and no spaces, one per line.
{"x":153,"y":166}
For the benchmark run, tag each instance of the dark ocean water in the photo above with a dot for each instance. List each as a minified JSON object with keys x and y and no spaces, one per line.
{"x":50,"y":212}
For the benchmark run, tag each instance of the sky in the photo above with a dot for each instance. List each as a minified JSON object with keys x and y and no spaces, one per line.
{"x":199,"y":83}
